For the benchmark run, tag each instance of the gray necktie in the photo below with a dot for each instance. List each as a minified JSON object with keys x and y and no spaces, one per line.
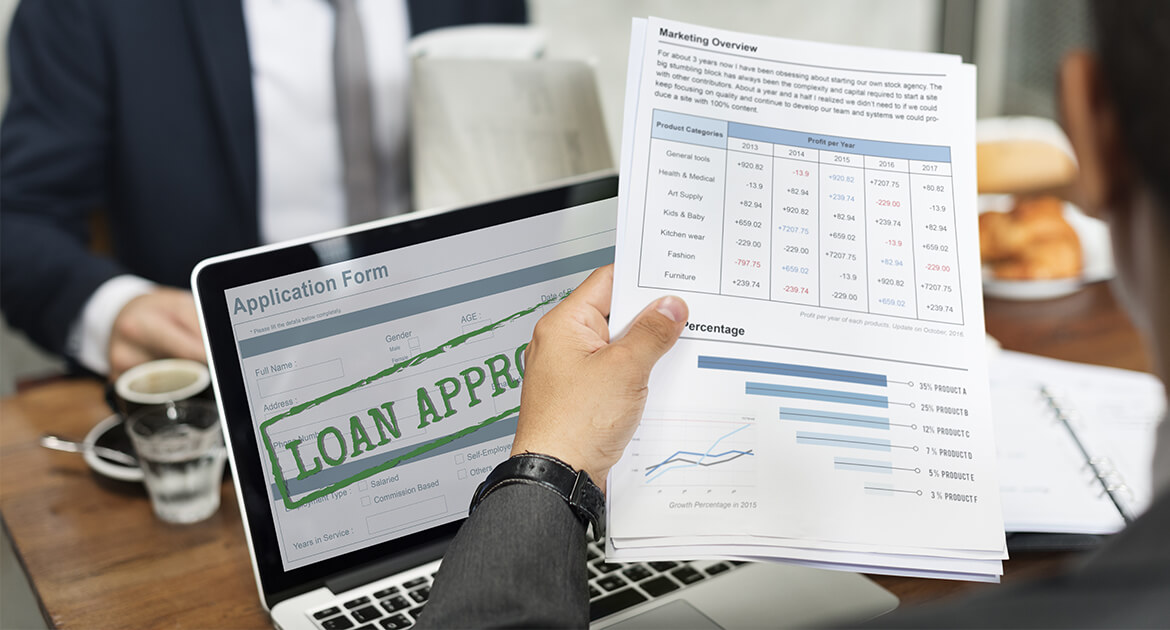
{"x":351,"y":77}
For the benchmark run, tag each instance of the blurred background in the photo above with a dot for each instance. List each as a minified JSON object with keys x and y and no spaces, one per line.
{"x":1016,"y":45}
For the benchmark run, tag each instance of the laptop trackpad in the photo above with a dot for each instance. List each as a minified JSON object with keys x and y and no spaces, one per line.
{"x":675,"y":615}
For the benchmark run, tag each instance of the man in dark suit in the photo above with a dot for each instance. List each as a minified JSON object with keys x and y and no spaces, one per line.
{"x":144,"y":109}
{"x":519,"y":560}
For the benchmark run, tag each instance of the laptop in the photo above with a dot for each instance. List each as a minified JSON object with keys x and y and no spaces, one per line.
{"x":369,"y":378}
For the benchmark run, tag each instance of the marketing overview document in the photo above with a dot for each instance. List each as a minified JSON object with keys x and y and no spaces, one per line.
{"x":828,"y":400}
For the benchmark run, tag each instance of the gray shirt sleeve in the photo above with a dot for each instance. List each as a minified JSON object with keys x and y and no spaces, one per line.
{"x":518,"y":561}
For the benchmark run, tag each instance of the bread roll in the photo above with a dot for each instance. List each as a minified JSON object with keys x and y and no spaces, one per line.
{"x":1021,"y":166}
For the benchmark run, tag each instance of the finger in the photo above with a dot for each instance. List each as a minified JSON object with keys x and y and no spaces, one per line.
{"x":164,"y":336}
{"x":124,"y":356}
{"x":596,"y":322}
{"x":595,"y":292}
{"x":654,"y":331}
{"x":182,"y":309}
{"x":184,"y":343}
{"x":186,"y":317}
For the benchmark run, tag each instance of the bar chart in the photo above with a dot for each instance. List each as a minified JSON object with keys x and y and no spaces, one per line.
{"x":850,"y":419}
{"x":814,"y":393}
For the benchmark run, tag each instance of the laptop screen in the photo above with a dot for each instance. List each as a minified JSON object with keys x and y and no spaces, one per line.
{"x":373,"y":379}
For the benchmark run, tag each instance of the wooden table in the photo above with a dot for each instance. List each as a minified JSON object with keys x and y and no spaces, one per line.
{"x":97,"y":557}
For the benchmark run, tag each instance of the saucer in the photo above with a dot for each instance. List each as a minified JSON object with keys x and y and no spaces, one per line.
{"x":111,"y":434}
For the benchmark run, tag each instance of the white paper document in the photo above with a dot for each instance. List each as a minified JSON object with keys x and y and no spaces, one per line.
{"x":486,"y":128}
{"x":828,"y":401}
{"x":1076,"y":443}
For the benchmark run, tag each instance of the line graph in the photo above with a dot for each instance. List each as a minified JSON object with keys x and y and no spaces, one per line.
{"x":715,"y":459}
{"x":695,"y":453}
{"x":653,"y":472}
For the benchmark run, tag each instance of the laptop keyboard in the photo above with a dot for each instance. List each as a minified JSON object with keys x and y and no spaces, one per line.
{"x":613,"y":587}
{"x":389,"y":607}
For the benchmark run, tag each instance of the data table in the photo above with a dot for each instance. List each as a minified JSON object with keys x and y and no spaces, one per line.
{"x":804,"y":218}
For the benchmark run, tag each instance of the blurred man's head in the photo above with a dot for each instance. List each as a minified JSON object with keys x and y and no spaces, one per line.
{"x":1133,"y":47}
{"x":1114,"y":106}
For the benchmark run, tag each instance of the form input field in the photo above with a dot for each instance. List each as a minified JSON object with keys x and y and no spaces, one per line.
{"x":476,"y":326}
{"x":297,"y":378}
{"x":407,"y":515}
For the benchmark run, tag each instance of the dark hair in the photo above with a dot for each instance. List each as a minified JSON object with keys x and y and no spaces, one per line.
{"x":1133,"y":44}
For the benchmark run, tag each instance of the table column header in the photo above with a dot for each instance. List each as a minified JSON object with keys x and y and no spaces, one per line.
{"x":840,"y":144}
{"x":706,"y":132}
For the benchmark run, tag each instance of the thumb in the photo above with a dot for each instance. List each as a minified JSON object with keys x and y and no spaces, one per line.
{"x":654,"y":331}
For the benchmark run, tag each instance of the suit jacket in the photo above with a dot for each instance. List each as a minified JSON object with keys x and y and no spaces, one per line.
{"x":519,"y":561}
{"x":142,"y":108}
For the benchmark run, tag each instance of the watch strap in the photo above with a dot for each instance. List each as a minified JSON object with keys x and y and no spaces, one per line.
{"x":574,"y":486}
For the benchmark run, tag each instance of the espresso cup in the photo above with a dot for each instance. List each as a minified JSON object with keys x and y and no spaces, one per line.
{"x":156,"y":383}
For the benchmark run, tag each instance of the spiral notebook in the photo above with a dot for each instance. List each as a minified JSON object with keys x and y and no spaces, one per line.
{"x":1075,"y":443}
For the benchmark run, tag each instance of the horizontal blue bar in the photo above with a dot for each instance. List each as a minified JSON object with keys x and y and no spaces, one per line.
{"x":843,"y":441}
{"x":863,"y":465}
{"x":832,"y":417}
{"x":838,"y":144}
{"x":792,"y":369}
{"x":811,"y":393}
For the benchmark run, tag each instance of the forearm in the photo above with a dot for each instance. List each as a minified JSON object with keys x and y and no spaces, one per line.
{"x":518,"y":561}
{"x":46,"y":277}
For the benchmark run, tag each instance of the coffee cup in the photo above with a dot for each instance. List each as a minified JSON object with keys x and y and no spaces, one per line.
{"x":156,"y":383}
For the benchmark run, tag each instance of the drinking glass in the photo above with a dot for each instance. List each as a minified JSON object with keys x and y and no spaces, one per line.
{"x":180,"y":447}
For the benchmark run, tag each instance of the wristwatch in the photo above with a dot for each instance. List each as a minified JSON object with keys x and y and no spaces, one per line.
{"x":574,"y":486}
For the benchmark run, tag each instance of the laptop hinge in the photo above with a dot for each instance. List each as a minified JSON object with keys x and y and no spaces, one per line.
{"x":382,"y":568}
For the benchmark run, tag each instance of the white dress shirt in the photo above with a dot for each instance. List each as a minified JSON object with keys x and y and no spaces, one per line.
{"x":298,"y":146}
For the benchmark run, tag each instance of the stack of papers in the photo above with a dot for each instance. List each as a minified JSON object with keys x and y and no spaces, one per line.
{"x":828,"y":402}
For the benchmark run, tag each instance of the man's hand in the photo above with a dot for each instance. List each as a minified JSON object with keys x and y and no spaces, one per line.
{"x":159,"y":325}
{"x":583,"y":396}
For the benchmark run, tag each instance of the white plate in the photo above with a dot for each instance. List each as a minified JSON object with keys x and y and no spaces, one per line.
{"x":103,"y":466}
{"x":1095,"y":245}
{"x":1029,"y":289}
